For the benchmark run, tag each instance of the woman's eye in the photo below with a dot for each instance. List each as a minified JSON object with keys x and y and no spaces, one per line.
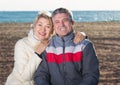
{"x":39,"y":25}
{"x":48,"y":26}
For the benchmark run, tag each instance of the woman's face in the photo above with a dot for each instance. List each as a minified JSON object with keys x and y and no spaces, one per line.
{"x":43,"y":29}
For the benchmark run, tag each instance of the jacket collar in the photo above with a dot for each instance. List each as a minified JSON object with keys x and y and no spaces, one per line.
{"x":33,"y":40}
{"x":67,"y":39}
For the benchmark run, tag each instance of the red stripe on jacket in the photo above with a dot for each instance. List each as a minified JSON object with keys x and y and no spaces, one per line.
{"x":67,"y":57}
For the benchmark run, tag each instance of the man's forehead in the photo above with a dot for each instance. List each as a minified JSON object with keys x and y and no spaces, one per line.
{"x":60,"y":16}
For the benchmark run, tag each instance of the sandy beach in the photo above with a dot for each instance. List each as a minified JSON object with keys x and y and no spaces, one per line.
{"x":104,"y":35}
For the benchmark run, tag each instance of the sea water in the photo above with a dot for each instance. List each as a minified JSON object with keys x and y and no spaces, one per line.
{"x":79,"y":16}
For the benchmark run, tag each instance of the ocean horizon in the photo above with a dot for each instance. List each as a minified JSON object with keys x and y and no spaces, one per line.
{"x":79,"y":16}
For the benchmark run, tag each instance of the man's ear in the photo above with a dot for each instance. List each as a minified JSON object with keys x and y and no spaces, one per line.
{"x":73,"y":22}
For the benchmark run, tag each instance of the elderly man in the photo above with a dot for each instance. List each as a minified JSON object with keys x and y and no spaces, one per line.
{"x":66,"y":63}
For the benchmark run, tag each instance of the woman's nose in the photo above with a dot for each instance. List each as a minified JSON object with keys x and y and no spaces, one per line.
{"x":43,"y":28}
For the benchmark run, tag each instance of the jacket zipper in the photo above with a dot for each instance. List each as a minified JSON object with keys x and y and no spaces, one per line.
{"x":63,"y":50}
{"x":64,"y":60}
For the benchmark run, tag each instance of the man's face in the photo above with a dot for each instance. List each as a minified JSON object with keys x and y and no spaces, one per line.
{"x":62,"y":24}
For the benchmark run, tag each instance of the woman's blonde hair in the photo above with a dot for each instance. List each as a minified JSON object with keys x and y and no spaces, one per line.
{"x":43,"y":14}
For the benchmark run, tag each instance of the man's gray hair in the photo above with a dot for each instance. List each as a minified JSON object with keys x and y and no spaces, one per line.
{"x":63,"y":10}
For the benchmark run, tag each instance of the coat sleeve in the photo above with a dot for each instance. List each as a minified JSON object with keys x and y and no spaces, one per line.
{"x":25,"y":62}
{"x":90,"y":70}
{"x":42,"y":76}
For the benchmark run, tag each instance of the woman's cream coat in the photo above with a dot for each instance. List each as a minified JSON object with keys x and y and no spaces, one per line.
{"x":26,"y":61}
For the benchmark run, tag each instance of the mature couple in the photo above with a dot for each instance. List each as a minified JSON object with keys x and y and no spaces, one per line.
{"x":65,"y":61}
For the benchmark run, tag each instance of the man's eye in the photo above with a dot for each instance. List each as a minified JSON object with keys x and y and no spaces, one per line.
{"x":56,"y":22}
{"x":66,"y":20}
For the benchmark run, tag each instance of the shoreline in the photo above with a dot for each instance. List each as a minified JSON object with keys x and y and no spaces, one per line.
{"x":75,"y":22}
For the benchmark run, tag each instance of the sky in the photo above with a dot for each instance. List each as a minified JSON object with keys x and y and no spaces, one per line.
{"x":36,"y":5}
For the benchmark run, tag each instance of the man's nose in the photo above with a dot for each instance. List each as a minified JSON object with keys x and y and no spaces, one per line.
{"x":61,"y":23}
